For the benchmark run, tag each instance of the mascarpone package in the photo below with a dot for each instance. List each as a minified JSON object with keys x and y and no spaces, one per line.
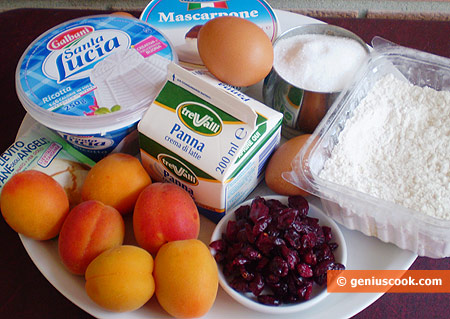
{"x":180,"y":21}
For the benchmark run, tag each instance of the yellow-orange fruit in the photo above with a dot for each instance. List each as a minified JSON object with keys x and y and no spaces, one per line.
{"x":117,"y":181}
{"x":90,"y":228}
{"x":281,"y":162}
{"x":235,"y":50}
{"x":34,"y":204}
{"x":186,"y":278}
{"x":164,"y":212}
{"x":120,"y":279}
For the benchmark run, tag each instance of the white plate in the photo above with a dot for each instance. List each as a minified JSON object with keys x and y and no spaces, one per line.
{"x":363,"y":253}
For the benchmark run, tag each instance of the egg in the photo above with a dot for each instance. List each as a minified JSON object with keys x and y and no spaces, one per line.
{"x":123,"y":14}
{"x":235,"y":50}
{"x":281,"y":162}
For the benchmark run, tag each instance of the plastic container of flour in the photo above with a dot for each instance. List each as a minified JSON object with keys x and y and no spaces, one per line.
{"x":312,"y":64}
{"x":91,"y":80}
{"x":411,"y":229}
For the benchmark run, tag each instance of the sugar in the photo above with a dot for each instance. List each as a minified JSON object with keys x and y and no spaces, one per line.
{"x":316,"y":62}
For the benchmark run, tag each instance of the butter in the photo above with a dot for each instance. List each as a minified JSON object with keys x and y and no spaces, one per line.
{"x":208,"y":138}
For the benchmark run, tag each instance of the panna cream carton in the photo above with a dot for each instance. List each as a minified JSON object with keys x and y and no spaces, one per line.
{"x":208,"y":138}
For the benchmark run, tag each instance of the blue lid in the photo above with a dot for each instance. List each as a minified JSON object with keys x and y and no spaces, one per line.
{"x":92,"y":65}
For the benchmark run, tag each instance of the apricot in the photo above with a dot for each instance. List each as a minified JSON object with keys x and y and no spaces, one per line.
{"x":186,"y":278}
{"x":280,"y":162}
{"x":34,"y":204}
{"x":116,"y":180}
{"x":90,"y":228}
{"x":164,"y":212}
{"x":120,"y":279}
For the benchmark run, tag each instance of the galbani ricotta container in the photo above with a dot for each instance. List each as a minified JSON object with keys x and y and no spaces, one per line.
{"x":180,"y":21}
{"x":91,"y":80}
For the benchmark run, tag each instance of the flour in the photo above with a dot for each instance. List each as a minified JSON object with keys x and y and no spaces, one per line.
{"x":396,"y":147}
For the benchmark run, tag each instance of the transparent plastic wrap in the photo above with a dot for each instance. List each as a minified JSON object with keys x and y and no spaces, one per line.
{"x":39,"y":148}
{"x":409,"y":229}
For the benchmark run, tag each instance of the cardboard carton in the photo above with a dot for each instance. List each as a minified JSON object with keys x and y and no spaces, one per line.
{"x":208,"y":138}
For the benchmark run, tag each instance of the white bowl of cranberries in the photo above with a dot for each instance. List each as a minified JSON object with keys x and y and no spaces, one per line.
{"x":273,"y":253}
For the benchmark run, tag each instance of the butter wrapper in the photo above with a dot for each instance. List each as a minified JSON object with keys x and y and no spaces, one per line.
{"x":208,"y":138}
{"x":41,"y":149}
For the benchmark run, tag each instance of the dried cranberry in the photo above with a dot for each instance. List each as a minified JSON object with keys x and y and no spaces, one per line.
{"x":258,"y":209}
{"x":240,"y":285}
{"x":293,"y":238}
{"x":327,"y":233}
{"x":301,"y":227}
{"x":305,"y":291}
{"x":240,"y":261}
{"x":249,"y":232}
{"x":233,"y":250}
{"x":257,"y":285}
{"x":299,"y":203}
{"x":279,"y":267}
{"x":333,"y":246}
{"x":290,"y":255}
{"x":231,"y":230}
{"x":264,"y":243}
{"x":218,"y":245}
{"x":310,"y":258}
{"x":272,"y":229}
{"x":304,"y":270}
{"x":286,"y":217}
{"x":241,"y":236}
{"x":261,"y":225}
{"x":322,"y":267}
{"x":276,"y":248}
{"x":275,"y":205}
{"x":280,"y":289}
{"x":323,"y":252}
{"x":321,"y":280}
{"x":269,"y":300}
{"x":337,"y":266}
{"x":245,"y":274}
{"x":262,"y":263}
{"x":250,"y":253}
{"x":272,"y":279}
{"x":242,"y":212}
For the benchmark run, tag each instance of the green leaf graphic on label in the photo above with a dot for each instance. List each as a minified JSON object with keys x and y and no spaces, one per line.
{"x":178,"y":169}
{"x":200,"y":118}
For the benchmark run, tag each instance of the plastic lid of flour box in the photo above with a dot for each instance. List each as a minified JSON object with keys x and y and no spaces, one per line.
{"x":93,"y":75}
{"x":180,"y":21}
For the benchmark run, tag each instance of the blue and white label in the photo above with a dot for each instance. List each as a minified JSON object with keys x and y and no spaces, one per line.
{"x":180,"y":21}
{"x":75,"y":62}
{"x":55,"y":71}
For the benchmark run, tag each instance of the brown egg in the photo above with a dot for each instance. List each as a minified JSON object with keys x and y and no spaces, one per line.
{"x":281,"y":162}
{"x":123,"y":14}
{"x":235,"y":50}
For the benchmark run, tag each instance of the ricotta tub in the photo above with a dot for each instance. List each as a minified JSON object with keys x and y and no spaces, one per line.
{"x":91,"y":80}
